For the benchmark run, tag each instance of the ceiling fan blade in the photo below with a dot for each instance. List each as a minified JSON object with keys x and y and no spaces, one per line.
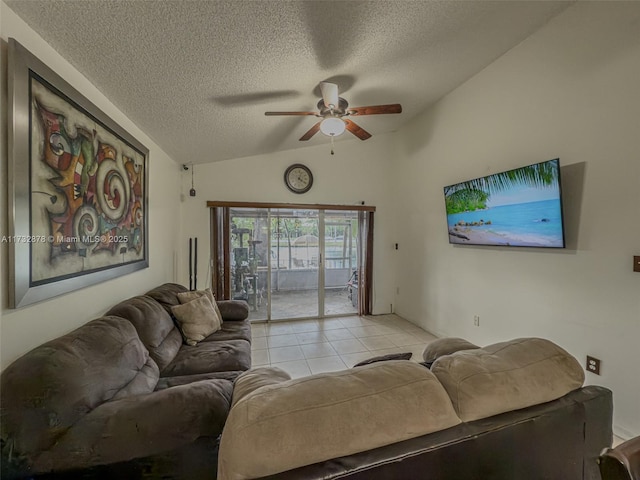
{"x":291,"y":113}
{"x":376,"y":109}
{"x":357,"y":130}
{"x":329,"y":94}
{"x":311,"y":132}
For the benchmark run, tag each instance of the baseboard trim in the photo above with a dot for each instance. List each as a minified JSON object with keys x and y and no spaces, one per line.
{"x":623,"y":433}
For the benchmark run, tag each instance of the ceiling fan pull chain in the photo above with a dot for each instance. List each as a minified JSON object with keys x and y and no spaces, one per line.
{"x":331,"y":144}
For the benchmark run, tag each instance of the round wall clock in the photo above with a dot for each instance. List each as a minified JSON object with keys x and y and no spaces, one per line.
{"x":298,"y":178}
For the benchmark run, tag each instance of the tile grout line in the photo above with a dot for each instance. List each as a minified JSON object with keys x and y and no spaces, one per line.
{"x":406,"y":329}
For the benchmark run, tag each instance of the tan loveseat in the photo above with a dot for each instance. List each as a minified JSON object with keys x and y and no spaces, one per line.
{"x":513,"y":410}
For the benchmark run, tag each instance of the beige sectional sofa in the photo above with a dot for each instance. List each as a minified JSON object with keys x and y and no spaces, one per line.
{"x":483,"y":413}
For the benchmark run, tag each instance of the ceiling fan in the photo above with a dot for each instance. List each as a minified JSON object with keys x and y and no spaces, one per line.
{"x":335,"y":113}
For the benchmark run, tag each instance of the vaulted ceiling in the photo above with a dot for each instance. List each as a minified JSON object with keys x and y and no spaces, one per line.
{"x":197,"y":76}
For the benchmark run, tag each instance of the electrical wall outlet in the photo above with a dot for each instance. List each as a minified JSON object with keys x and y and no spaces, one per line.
{"x":593,"y":365}
{"x":476,"y":320}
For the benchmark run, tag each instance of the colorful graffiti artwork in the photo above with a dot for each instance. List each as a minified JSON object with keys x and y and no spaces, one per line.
{"x":87,"y":191}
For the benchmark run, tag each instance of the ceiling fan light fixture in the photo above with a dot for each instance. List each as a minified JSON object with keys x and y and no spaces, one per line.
{"x":332,"y":126}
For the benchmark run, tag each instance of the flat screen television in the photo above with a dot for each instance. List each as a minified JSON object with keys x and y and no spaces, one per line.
{"x":520,"y":208}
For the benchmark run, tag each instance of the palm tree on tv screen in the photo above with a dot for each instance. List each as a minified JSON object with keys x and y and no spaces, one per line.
{"x":473,"y":194}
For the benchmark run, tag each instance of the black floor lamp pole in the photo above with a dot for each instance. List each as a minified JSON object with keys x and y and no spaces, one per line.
{"x":195,"y":264}
{"x":190,"y":265}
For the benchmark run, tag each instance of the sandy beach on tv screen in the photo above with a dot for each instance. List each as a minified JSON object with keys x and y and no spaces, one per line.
{"x":471,"y":236}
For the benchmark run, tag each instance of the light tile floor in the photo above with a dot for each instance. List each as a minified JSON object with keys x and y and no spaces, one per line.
{"x":305,"y":347}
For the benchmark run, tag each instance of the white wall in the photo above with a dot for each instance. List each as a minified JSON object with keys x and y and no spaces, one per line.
{"x":359,"y":171}
{"x":25,"y":328}
{"x":568,"y":91}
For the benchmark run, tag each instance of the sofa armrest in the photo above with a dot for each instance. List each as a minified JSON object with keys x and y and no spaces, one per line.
{"x":233,"y":309}
{"x":140,"y":426}
{"x":622,"y":462}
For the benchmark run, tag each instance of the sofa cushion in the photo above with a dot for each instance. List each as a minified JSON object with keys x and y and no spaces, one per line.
{"x":507,"y":376}
{"x":445,"y":346}
{"x":256,"y":378}
{"x":154,"y":326}
{"x":235,"y":330}
{"x":186,"y":297}
{"x":207,"y":357}
{"x":329,"y":415}
{"x":197,"y":319}
{"x":168,"y":382}
{"x":166,"y":295}
{"x":139,"y":426}
{"x":52,"y":387}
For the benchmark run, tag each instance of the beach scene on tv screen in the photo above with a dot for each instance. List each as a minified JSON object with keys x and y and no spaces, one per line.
{"x":521,"y":207}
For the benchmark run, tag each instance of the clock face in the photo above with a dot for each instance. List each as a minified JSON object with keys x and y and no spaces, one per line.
{"x":298,"y":178}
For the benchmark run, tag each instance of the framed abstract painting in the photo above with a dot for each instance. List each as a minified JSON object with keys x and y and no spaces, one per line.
{"x":78,"y":186}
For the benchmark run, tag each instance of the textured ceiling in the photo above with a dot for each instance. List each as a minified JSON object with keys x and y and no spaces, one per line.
{"x":197,"y":76}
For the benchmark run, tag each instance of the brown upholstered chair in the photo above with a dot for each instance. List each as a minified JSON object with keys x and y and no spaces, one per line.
{"x":621,"y":462}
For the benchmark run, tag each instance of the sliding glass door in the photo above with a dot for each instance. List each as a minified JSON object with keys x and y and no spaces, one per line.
{"x":295,"y":242}
{"x":340,"y":263}
{"x":290,"y":263}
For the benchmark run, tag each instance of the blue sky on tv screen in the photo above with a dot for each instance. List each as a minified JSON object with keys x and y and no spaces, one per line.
{"x":524,"y":194}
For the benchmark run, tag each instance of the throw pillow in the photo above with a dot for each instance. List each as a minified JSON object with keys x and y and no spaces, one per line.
{"x":383,"y":358}
{"x":185,"y":297}
{"x":196,"y":319}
